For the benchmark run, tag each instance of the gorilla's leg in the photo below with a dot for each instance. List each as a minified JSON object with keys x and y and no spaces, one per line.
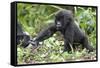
{"x":68,"y":38}
{"x":86,"y":44}
{"x":67,"y":46}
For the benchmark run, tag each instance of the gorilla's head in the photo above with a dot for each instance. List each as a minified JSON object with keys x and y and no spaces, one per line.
{"x":63,"y":18}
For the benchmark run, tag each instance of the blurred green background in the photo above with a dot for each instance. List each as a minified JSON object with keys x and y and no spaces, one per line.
{"x":35,"y":17}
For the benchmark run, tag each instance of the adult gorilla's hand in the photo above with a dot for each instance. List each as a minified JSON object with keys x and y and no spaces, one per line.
{"x":33,"y":42}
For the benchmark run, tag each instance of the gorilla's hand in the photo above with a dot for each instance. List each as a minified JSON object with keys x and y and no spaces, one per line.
{"x":33,"y":42}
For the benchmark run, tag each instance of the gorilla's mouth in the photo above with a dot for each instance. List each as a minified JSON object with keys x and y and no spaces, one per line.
{"x":59,"y":25}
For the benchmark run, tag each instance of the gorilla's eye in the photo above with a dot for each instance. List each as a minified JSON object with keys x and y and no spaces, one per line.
{"x":59,"y":17}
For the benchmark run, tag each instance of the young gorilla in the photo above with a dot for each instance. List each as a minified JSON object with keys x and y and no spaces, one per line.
{"x":64,"y":22}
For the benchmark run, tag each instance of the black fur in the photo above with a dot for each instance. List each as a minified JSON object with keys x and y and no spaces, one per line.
{"x":22,"y":36}
{"x":64,"y":22}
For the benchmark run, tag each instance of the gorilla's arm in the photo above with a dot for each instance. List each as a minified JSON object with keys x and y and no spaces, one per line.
{"x":46,"y":33}
{"x":21,"y":35}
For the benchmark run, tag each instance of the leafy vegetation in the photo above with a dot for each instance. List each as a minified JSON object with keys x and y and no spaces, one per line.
{"x":34,"y":17}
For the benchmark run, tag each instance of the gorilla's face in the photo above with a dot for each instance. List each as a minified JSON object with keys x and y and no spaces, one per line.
{"x":59,"y":22}
{"x":62,"y":19}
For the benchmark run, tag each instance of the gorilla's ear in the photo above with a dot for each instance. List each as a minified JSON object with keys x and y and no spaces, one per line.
{"x":68,"y":20}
